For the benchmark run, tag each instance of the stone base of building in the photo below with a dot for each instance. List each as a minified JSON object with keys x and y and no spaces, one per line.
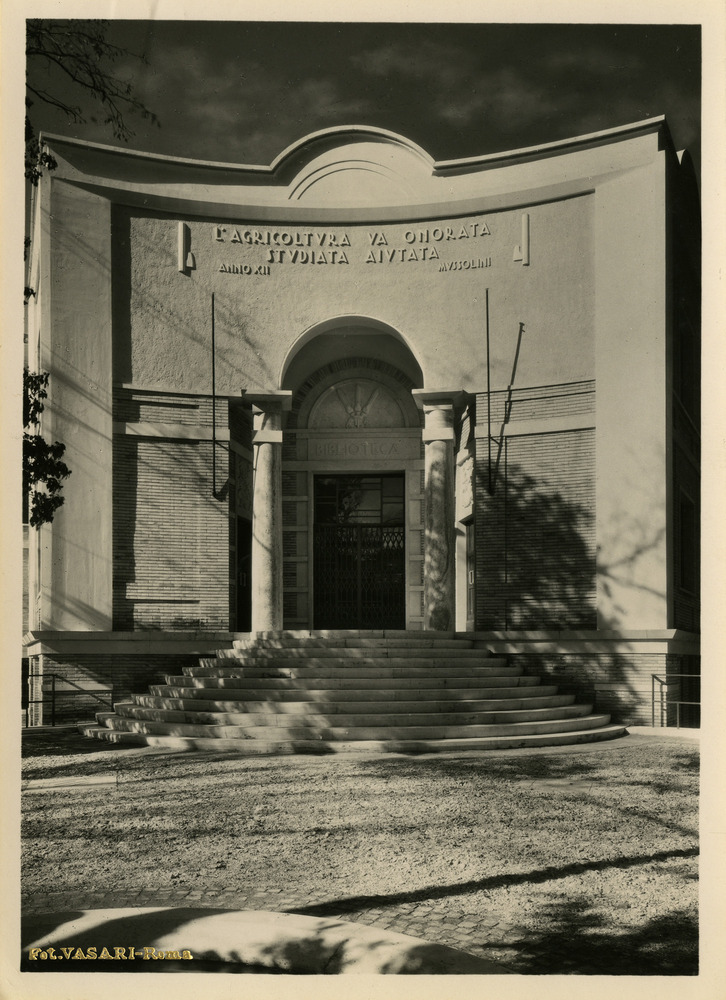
{"x":637,"y":677}
{"x":73,"y":675}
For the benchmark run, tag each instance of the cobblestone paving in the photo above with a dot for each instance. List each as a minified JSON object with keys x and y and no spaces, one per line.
{"x":492,"y":937}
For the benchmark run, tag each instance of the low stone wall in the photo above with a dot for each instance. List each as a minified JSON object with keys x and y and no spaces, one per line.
{"x":614,"y":672}
{"x":88,"y":673}
{"x":180,"y":939}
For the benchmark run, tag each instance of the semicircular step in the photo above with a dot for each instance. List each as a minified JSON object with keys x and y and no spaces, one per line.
{"x":309,"y":692}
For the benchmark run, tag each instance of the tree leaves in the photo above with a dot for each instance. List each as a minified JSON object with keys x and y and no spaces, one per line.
{"x":43,"y":468}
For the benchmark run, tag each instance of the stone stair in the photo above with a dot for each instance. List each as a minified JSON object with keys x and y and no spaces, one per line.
{"x":307,"y":692}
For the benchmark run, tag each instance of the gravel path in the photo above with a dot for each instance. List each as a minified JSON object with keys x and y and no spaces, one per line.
{"x":568,"y":860}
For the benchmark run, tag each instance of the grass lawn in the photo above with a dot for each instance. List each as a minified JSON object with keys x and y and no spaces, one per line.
{"x":587,"y":856}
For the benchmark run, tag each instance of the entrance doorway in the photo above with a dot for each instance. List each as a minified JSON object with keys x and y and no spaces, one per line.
{"x":244,"y":575}
{"x":470,"y":575}
{"x":359,"y":561}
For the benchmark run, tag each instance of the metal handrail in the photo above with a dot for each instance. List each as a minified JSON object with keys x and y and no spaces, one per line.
{"x":664,"y":702}
{"x":63,"y":694}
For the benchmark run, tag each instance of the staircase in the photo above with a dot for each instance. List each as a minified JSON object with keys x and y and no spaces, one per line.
{"x":306,"y":692}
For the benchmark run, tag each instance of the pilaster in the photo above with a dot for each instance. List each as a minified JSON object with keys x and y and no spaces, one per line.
{"x":267,"y":410}
{"x":439,"y":408}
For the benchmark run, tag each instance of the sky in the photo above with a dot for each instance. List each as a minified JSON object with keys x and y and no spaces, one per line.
{"x":242,"y":91}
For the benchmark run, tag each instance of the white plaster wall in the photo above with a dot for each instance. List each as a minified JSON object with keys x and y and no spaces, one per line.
{"x":593,"y":299}
{"x":76,"y":552}
{"x":440,"y":315}
{"x":630,"y":323}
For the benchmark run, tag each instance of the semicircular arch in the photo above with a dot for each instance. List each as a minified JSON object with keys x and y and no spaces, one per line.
{"x":346,"y":337}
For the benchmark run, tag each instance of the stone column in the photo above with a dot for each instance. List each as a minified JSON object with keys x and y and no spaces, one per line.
{"x":439,"y":544}
{"x":267,"y":410}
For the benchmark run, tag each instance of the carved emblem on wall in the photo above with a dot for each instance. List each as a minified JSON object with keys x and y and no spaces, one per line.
{"x":465,"y":487}
{"x":356,"y":409}
{"x":356,"y":404}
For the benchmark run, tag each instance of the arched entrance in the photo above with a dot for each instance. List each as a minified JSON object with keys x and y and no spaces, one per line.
{"x":352,"y":486}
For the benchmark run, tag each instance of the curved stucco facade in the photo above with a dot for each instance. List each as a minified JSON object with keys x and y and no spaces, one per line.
{"x":527,"y":304}
{"x":424,"y":279}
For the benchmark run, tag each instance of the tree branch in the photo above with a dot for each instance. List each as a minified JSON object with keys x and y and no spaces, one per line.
{"x":75,"y":112}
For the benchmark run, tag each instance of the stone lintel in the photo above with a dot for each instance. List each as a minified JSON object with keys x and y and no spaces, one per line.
{"x":170,"y":432}
{"x":141,"y":643}
{"x":605,"y":641}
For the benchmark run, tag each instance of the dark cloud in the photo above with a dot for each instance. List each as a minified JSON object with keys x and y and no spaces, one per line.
{"x":243,"y":91}
{"x":241,"y":111}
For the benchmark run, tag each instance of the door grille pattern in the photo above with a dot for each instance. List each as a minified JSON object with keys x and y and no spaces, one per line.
{"x":359,"y":576}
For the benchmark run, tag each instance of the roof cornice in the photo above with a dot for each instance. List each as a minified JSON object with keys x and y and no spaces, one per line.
{"x":339,"y":135}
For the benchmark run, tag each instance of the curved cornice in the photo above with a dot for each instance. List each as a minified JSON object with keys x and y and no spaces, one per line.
{"x":311,"y":145}
{"x":356,"y":172}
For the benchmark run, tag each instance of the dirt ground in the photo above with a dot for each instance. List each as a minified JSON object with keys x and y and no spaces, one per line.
{"x":576,"y":848}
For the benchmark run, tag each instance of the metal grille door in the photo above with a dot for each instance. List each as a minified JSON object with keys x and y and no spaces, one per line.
{"x":359,"y":576}
{"x":359,"y":566}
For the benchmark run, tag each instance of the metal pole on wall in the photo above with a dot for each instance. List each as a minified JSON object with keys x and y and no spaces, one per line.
{"x":508,"y":402}
{"x":214,"y":410}
{"x":506,"y":540}
{"x":489,"y":393}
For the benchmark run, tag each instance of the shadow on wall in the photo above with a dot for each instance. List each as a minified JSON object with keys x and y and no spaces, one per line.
{"x":150,"y":293}
{"x":537,"y":570}
{"x":439,"y":554}
{"x":170,"y":537}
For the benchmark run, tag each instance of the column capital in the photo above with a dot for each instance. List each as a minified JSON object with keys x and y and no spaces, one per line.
{"x":274,"y":399}
{"x":267,"y":410}
{"x":439,"y":408}
{"x":434,"y":398}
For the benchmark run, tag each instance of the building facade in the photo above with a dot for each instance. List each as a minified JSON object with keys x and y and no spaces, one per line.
{"x":360,"y":389}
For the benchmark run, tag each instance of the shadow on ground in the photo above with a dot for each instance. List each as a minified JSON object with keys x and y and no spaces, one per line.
{"x":55,"y":741}
{"x":576,"y":942}
{"x":208,"y":940}
{"x":353,"y":904}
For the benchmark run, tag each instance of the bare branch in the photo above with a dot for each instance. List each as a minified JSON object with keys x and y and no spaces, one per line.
{"x":80,"y":51}
{"x":49,"y":99}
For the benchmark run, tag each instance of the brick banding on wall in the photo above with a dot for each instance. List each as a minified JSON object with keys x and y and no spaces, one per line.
{"x":535,"y":533}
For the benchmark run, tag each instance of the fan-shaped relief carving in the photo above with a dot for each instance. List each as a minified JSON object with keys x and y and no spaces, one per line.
{"x":357,"y":403}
